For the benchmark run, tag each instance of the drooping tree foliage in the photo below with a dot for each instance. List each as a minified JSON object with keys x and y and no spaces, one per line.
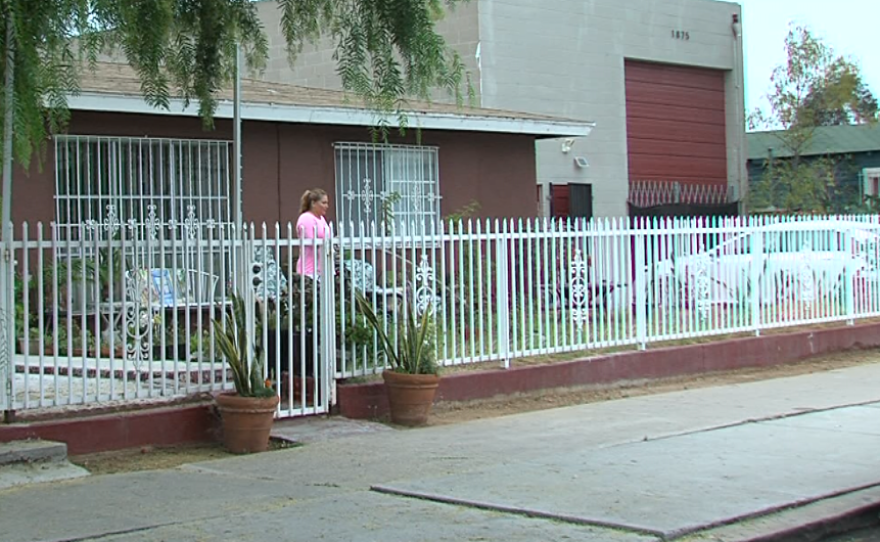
{"x":386,"y":50}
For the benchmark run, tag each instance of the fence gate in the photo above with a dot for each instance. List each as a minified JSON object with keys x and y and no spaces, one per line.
{"x":291,"y":320}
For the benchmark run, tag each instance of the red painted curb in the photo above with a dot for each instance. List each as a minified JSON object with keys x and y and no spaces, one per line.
{"x":150,"y":427}
{"x":365,"y":401}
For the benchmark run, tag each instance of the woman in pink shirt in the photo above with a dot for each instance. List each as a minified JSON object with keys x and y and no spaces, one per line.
{"x":311,"y":224}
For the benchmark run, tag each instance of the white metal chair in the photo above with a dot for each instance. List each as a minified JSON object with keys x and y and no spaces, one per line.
{"x":201,"y":286}
{"x":363,"y":279}
{"x":266,"y":276}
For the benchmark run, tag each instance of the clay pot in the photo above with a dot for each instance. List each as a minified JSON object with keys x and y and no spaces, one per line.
{"x":247,"y":422}
{"x":410,"y":396}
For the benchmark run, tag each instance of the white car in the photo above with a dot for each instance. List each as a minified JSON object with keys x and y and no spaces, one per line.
{"x":797,"y":260}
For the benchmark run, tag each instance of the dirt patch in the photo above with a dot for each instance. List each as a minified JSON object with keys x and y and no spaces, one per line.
{"x":153,"y":458}
{"x":150,"y":458}
{"x":449,"y":412}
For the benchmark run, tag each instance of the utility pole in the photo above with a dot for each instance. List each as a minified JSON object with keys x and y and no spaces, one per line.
{"x":7,"y":312}
{"x":7,"y":129}
{"x":236,"y":135}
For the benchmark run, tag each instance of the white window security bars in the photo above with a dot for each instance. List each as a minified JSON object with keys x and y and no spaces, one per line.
{"x":142,"y":182}
{"x":392,"y":184}
{"x":495,"y":292}
{"x":144,"y":185}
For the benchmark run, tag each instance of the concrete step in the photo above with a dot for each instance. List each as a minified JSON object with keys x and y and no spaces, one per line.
{"x":25,"y":462}
{"x":32,"y":451}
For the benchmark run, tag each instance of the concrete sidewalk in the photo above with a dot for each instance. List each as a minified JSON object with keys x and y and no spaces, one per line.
{"x":647,"y":468}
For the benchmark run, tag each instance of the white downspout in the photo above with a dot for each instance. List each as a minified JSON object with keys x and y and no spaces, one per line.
{"x":743,"y":181}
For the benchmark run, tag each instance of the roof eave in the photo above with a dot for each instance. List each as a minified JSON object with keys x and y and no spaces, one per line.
{"x":339,"y":116}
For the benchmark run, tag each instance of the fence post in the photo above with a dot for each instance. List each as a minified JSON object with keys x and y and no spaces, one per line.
{"x":7,"y":325}
{"x":502,"y":293}
{"x":328,"y":322}
{"x":848,"y":279}
{"x":246,"y":287}
{"x":641,"y":285}
{"x":757,"y":249}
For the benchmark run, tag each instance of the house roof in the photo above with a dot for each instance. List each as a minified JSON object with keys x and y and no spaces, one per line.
{"x":826,"y":140}
{"x":115,"y":87}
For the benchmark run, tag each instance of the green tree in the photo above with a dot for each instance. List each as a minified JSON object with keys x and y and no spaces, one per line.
{"x":386,"y":50}
{"x":814,"y":87}
{"x":863,"y":110}
{"x":811,"y":186}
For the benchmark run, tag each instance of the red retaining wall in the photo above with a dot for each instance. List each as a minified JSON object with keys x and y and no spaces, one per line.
{"x":368,"y":400}
{"x":150,"y":427}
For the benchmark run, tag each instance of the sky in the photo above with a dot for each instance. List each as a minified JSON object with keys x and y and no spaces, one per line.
{"x":850,"y":27}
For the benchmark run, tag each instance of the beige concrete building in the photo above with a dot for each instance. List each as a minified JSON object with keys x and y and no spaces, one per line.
{"x":663,"y":81}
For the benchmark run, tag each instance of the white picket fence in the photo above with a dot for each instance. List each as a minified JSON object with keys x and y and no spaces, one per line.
{"x":122,"y":311}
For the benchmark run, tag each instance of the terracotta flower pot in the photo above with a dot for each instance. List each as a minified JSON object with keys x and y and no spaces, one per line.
{"x":247,"y":422}
{"x":410,"y":396}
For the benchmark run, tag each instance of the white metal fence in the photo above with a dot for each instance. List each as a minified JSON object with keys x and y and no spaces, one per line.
{"x":501,"y":290}
{"x":115,"y":314}
{"x":99,"y":317}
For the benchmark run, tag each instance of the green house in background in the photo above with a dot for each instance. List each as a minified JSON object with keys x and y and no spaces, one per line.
{"x":856,"y":149}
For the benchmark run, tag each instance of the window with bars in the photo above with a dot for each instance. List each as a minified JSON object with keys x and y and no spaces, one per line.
{"x":143,"y":183}
{"x":396,"y":184}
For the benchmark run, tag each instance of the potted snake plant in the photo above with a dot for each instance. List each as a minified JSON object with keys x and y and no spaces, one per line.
{"x":412,"y":378}
{"x":248,"y":412}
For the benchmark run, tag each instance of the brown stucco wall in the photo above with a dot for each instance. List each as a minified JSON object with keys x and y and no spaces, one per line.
{"x":280,"y":161}
{"x":497,"y":170}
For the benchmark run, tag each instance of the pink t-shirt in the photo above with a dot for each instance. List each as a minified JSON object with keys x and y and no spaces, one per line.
{"x":309,"y":226}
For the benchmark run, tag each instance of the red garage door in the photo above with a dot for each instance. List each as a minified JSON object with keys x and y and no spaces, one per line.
{"x":675,"y":124}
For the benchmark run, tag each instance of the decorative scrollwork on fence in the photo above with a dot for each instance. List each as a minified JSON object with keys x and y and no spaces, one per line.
{"x":703,"y":286}
{"x":580,"y":312}
{"x":805,"y":275}
{"x":138,"y":320}
{"x":425,"y":296}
